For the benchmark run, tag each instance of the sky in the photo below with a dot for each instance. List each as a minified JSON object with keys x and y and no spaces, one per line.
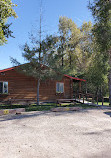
{"x":28,"y":12}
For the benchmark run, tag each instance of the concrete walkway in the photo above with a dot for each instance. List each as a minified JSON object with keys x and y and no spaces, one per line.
{"x":90,"y":103}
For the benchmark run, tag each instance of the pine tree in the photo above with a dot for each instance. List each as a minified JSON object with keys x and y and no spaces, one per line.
{"x":42,"y":61}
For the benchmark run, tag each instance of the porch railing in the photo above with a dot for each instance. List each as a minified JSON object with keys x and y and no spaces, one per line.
{"x":88,"y":97}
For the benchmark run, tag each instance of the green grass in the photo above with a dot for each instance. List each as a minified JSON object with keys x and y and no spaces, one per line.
{"x":48,"y":107}
{"x":12,"y":106}
{"x":45,"y":107}
{"x":39,"y":107}
{"x":105,"y":103}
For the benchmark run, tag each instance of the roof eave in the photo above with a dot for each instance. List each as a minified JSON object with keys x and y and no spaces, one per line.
{"x":74,"y":78}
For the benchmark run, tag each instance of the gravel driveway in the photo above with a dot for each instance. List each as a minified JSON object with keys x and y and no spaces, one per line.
{"x":84,"y":134}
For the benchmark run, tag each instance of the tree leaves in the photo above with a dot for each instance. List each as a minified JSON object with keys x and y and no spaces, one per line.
{"x":6,"y":11}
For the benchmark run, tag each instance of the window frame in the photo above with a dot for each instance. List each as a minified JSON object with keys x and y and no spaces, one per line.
{"x":59,"y":87}
{"x":3,"y":87}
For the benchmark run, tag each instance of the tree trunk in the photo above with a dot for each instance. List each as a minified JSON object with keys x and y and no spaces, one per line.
{"x":70,"y":61}
{"x":96,"y":93}
{"x":86,"y":87}
{"x":109,"y":77}
{"x":63,"y":41}
{"x":80,"y":87}
{"x":62,"y":60}
{"x":38,"y":84}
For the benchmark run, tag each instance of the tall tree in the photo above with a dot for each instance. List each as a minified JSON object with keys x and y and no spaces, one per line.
{"x":63,"y":31}
{"x":68,"y":39}
{"x":42,"y":61}
{"x":6,"y":11}
{"x":84,"y":48}
{"x":96,"y":74}
{"x":77,"y":45}
{"x":101,"y":11}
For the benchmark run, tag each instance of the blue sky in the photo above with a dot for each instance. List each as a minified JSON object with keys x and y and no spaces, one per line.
{"x":28,"y":20}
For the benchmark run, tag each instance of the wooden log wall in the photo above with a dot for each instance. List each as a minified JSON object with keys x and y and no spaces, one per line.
{"x":21,"y":86}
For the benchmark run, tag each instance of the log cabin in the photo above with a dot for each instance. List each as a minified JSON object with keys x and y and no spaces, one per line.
{"x":17,"y":86}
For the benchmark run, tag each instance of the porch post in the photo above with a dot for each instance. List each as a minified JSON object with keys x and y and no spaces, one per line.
{"x":86,"y":87}
{"x":79,"y":86}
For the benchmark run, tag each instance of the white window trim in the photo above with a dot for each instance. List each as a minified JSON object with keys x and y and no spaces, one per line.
{"x":3,"y":87}
{"x":63,"y":87}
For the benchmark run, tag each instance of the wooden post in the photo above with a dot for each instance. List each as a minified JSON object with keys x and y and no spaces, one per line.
{"x":89,"y":100}
{"x":102,"y":101}
{"x":92,"y":99}
{"x":97,"y":100}
{"x":83,"y":98}
{"x":86,"y":87}
{"x":79,"y":86}
{"x":75,"y":96}
{"x":79,"y":97}
{"x":87,"y":96}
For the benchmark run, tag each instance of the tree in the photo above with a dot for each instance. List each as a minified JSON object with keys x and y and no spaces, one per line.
{"x":75,"y":45}
{"x":79,"y":53}
{"x":42,"y":61}
{"x":42,"y":58}
{"x":6,"y":11}
{"x":96,"y":75}
{"x":69,"y":36}
{"x":101,"y":11}
{"x":84,"y":48}
{"x":63,"y":36}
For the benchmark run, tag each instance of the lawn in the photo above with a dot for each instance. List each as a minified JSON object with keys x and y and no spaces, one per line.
{"x":45,"y":107}
{"x":105,"y":103}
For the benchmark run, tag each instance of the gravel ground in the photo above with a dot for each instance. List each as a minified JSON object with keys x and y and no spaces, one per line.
{"x":84,"y":134}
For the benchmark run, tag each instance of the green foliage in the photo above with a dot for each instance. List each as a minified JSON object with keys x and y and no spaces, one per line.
{"x":47,"y":64}
{"x":42,"y":61}
{"x":75,"y":45}
{"x":6,"y":11}
{"x":96,"y":74}
{"x":74,"y":51}
{"x":101,"y":11}
{"x":82,"y":54}
{"x":44,"y":107}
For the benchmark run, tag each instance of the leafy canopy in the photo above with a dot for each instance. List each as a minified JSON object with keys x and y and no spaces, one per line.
{"x":6,"y":11}
{"x":101,"y":11}
{"x":44,"y":66}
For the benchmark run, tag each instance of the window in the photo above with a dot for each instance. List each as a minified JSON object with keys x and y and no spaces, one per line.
{"x":59,"y":87}
{"x":4,"y":87}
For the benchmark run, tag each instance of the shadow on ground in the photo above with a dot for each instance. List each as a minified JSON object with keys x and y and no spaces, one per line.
{"x":99,"y":154}
{"x":98,"y":132}
{"x":108,"y":113}
{"x":37,"y":114}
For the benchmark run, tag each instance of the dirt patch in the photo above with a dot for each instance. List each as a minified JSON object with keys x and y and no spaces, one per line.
{"x":83,"y":134}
